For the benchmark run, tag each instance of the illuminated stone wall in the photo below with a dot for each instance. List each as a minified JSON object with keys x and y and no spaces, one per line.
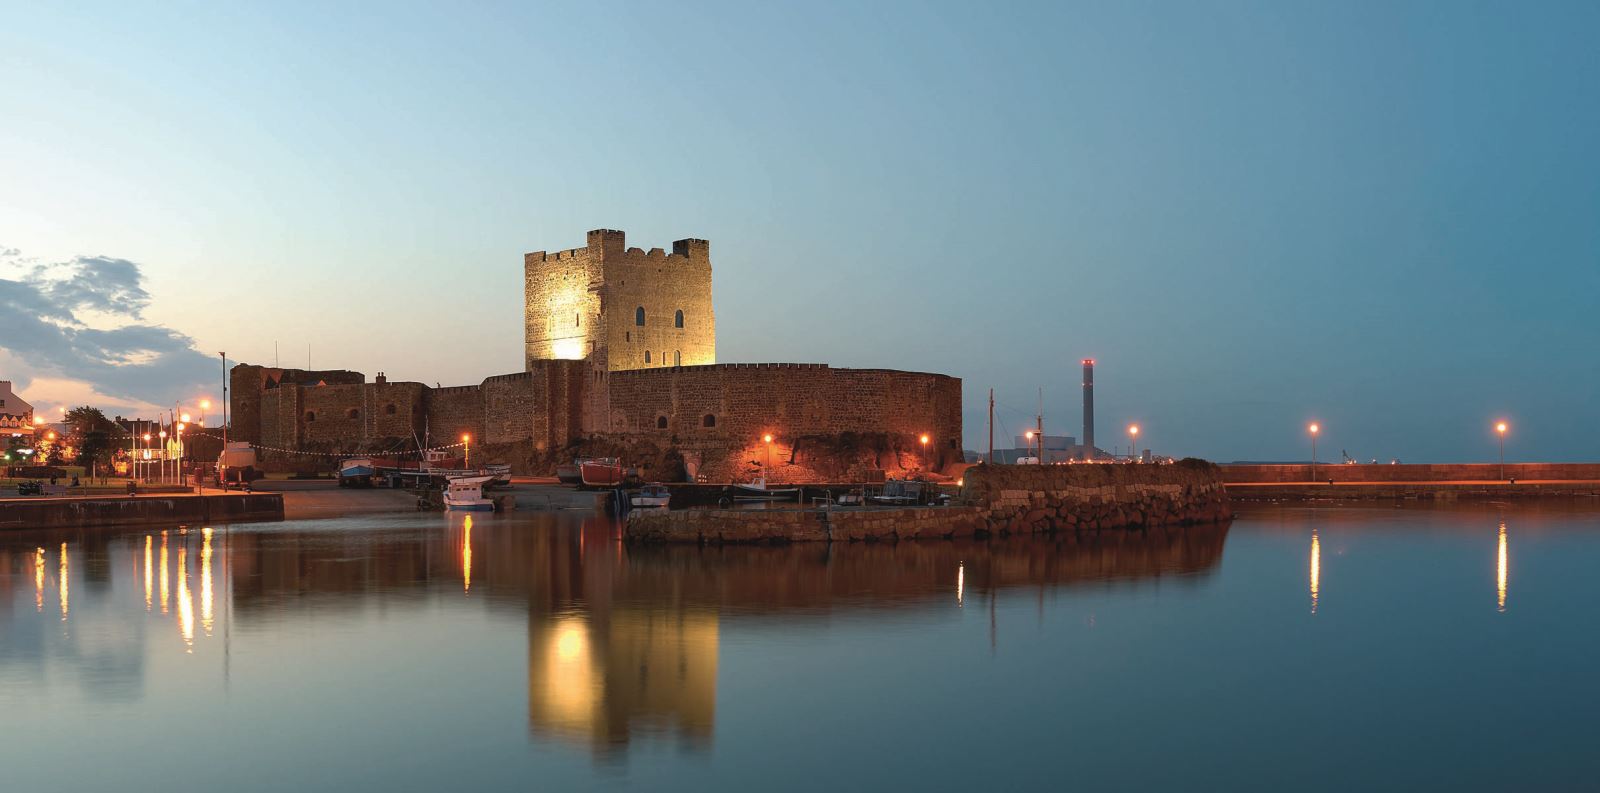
{"x":585,"y":302}
{"x":826,"y":424}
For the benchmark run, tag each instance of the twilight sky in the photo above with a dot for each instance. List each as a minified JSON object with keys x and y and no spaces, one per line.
{"x":1384,"y":216}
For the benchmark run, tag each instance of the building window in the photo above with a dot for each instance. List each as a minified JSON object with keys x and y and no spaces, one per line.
{"x":647,"y":356}
{"x":311,"y":415}
{"x":677,"y":321}
{"x":709,"y":421}
{"x":661,"y":422}
{"x":389,"y":409}
{"x":353,"y":413}
{"x":677,"y":357}
{"x":638,"y":316}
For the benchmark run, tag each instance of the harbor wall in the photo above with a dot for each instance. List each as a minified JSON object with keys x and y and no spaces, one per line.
{"x":995,"y":500}
{"x":1409,"y":472}
{"x":176,"y":510}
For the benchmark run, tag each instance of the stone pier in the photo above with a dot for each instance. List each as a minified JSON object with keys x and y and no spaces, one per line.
{"x":995,"y":500}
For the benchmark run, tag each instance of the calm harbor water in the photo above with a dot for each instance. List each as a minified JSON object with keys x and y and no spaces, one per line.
{"x":1306,"y":647}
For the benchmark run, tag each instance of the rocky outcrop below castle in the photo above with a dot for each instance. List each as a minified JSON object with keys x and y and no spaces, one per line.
{"x":995,"y":501}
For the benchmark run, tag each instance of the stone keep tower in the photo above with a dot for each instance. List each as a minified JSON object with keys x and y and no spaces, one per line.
{"x":620,"y":307}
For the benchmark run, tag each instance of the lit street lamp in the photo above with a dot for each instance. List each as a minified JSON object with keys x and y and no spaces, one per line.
{"x":1314,"y":428}
{"x":1500,"y":429}
{"x":924,"y":440}
{"x":466,"y":440}
{"x":767,"y":439}
{"x":1133,"y":450}
{"x":1029,"y":436}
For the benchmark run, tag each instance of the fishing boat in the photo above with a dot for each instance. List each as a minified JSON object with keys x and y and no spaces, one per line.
{"x":569,"y":473}
{"x":651,"y":495}
{"x":356,"y":472}
{"x":757,"y":490}
{"x":604,"y":472}
{"x":465,"y":493}
{"x":501,"y":473}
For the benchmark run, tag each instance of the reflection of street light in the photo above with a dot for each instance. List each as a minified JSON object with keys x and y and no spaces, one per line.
{"x":1501,"y":428}
{"x":1314,"y":428}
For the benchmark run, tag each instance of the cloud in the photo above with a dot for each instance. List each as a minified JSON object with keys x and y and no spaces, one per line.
{"x":44,"y":324}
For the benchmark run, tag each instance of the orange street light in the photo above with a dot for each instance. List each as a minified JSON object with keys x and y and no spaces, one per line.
{"x":466,"y":440}
{"x":205,"y":404}
{"x":1314,"y":428}
{"x":185,"y":418}
{"x":1133,"y":433}
{"x":924,"y":440}
{"x":767,"y":438}
{"x":1500,"y":428}
{"x":147,"y":437}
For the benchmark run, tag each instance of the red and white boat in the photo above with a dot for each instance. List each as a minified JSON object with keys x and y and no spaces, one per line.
{"x":603,"y":472}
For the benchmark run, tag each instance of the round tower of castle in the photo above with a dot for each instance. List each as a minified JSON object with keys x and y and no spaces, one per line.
{"x":620,"y":307}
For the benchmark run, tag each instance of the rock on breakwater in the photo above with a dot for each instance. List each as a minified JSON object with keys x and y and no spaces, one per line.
{"x":1034,"y":498}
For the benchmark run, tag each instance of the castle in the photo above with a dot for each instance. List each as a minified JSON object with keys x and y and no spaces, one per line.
{"x":620,"y":358}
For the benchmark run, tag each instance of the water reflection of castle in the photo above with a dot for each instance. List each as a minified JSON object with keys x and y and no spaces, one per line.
{"x":621,"y":642}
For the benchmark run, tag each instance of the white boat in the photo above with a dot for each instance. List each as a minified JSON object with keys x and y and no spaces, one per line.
{"x":757,"y":490}
{"x":465,"y":493}
{"x":651,"y":495}
{"x":356,"y":472}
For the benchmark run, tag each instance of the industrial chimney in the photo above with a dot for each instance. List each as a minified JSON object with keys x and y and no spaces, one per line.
{"x":1088,"y":409}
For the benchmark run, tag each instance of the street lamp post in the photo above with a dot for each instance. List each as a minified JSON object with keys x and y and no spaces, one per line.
{"x":924,"y":440}
{"x":1133,"y":450}
{"x":466,"y":440}
{"x":1315,"y":428}
{"x":767,"y":439}
{"x":1500,"y":429}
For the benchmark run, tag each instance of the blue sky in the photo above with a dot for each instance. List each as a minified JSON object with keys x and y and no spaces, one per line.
{"x":1379,"y":215}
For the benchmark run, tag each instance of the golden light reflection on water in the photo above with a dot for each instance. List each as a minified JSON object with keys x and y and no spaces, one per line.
{"x":185,"y":604}
{"x":205,"y":582}
{"x":38,"y":579}
{"x":1500,"y":568}
{"x":1316,"y":569}
{"x":961,"y":582}
{"x":63,"y":582}
{"x":163,"y":572}
{"x":148,"y":573}
{"x":569,"y":687}
{"x":466,"y":556}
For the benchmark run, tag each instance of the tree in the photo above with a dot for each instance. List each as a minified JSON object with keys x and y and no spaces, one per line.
{"x":91,"y":434}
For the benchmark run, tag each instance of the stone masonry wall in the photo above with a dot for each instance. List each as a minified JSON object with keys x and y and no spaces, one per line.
{"x":827,"y":424}
{"x":583,"y":303}
{"x":996,"y":500}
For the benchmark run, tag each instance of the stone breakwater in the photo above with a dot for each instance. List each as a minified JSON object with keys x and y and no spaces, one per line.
{"x":995,"y":500}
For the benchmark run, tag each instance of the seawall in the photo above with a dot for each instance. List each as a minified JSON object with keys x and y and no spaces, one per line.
{"x":995,"y":500}
{"x":177,"y":510}
{"x":1410,"y":472}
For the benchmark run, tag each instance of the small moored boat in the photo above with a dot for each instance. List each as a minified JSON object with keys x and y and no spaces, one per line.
{"x":651,"y":495}
{"x":605,"y":472}
{"x":465,"y":493}
{"x":570,"y":473}
{"x":757,"y":490}
{"x":356,"y":472}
